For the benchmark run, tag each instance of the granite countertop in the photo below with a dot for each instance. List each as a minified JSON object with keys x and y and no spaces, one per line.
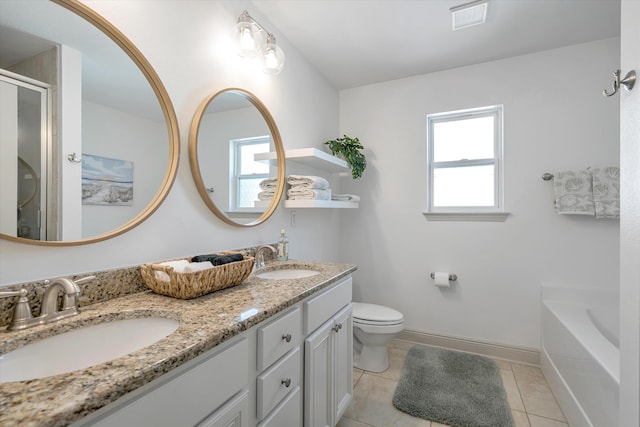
{"x":205,"y":322}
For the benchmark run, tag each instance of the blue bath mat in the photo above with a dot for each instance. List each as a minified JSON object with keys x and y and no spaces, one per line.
{"x":453,"y":388}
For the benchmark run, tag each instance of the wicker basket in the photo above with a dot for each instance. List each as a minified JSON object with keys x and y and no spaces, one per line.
{"x":196,"y":284}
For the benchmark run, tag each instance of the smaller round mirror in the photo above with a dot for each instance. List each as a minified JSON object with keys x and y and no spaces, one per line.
{"x":236,"y":157}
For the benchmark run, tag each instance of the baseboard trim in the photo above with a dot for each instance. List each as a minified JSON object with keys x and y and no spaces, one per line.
{"x":524,"y":355}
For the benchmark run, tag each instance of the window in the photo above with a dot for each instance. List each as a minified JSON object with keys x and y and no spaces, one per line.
{"x":246,"y":173}
{"x":465,"y":161}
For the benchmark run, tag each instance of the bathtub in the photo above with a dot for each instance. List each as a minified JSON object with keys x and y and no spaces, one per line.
{"x":580,"y":354}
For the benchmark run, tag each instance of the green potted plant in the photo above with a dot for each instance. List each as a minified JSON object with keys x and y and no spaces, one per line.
{"x":350,"y":150}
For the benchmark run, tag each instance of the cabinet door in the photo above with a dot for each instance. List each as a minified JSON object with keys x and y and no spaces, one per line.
{"x":343,"y":362}
{"x":318,"y":377}
{"x":235,"y":413}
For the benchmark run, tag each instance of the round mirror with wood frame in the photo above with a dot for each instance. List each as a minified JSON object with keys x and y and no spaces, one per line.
{"x":230,"y":130}
{"x":148,"y":138}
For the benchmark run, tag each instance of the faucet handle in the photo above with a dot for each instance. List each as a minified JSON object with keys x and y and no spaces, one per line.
{"x":21,"y":311}
{"x":85,"y":279}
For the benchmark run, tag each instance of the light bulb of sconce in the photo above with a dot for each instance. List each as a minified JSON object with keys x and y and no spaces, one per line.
{"x":247,"y":36}
{"x":273,"y":56}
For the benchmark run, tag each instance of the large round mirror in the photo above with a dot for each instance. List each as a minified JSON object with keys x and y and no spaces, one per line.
{"x":236,"y":157}
{"x":88,"y":135}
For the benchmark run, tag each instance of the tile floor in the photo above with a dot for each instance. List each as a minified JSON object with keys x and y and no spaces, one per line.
{"x":531,"y":401}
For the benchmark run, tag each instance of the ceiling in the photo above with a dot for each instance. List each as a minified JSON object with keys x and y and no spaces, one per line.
{"x":358,"y":42}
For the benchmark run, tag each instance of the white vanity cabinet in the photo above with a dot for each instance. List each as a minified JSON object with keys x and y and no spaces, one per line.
{"x":293,"y":369}
{"x":210,"y":390}
{"x":328,"y":357}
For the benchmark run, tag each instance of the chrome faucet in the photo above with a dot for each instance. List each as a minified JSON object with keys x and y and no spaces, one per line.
{"x":260,"y":254}
{"x":49,"y":312}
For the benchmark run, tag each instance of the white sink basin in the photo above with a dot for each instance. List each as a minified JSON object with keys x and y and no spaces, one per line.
{"x":288,"y":273}
{"x":82,"y":348}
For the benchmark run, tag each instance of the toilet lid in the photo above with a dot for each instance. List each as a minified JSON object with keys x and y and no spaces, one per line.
{"x":372,"y":314}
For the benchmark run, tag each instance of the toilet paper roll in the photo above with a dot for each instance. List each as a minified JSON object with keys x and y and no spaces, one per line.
{"x":441,"y":279}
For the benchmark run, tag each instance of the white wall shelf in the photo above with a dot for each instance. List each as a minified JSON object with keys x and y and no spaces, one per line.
{"x":319,"y":204}
{"x":316,"y":159}
{"x":311,"y":157}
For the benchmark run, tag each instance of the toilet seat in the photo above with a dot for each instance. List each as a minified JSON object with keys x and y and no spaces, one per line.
{"x":375,"y":315}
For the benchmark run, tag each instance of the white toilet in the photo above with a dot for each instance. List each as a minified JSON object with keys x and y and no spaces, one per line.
{"x":374,"y":326}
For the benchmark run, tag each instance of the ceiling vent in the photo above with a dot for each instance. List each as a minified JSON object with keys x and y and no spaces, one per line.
{"x":469,"y":14}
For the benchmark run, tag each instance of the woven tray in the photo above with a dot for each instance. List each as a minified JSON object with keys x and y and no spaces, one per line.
{"x":196,"y":284}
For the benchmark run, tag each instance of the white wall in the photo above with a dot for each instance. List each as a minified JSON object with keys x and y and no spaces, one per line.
{"x":187,"y":43}
{"x":555,"y":119}
{"x":630,"y":223}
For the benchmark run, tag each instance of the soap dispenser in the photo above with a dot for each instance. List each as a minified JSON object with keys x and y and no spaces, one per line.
{"x":282,"y":250}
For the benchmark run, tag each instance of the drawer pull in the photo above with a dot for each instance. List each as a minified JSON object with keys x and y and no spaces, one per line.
{"x":286,"y":382}
{"x":287,"y":338}
{"x":337,"y":327}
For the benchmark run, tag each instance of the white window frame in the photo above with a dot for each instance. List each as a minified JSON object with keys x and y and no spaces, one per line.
{"x":234,"y":167}
{"x":468,"y":212}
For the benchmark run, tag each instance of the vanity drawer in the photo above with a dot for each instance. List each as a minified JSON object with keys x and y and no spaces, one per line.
{"x":322,"y":307}
{"x":278,"y":337}
{"x":288,"y":413}
{"x":277,"y":381}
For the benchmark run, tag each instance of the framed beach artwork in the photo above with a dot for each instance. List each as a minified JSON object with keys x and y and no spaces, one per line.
{"x":106,"y":181}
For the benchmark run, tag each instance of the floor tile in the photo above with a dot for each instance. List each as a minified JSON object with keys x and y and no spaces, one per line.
{"x":502,"y":364}
{"x":357,"y":373}
{"x":535,"y":392}
{"x":348,"y":422}
{"x":511,"y":389}
{"x":545,"y":422}
{"x":520,"y":419}
{"x":372,"y":404}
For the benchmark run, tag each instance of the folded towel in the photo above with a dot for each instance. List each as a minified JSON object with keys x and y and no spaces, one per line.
{"x":178,"y":266}
{"x":308,"y":181}
{"x":345,"y":197}
{"x":297,"y":193}
{"x":217,"y":259}
{"x":192,"y":267}
{"x":268,"y":184}
{"x":574,"y":192}
{"x":606,"y":191}
{"x":266,"y":195}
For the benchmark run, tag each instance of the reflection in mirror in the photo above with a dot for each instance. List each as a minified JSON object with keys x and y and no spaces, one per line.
{"x":67,"y":87}
{"x":228,"y":129}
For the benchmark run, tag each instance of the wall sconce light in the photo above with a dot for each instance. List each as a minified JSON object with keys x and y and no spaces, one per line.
{"x":253,"y":40}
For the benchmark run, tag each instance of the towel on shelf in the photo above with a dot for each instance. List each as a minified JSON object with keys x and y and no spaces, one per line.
{"x":266,"y":195}
{"x":268,"y":184}
{"x":298,"y":193}
{"x":606,"y":191}
{"x":345,"y":197}
{"x":308,"y":181}
{"x":574,"y":193}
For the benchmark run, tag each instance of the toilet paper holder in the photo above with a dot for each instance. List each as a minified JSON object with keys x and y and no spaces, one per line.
{"x":452,"y":277}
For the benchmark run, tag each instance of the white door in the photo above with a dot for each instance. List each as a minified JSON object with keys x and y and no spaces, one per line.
{"x":630,"y":220}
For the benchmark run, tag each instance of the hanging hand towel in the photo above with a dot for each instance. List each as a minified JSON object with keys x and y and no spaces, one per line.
{"x":308,"y":181}
{"x":297,"y":193}
{"x":573,"y":192}
{"x":606,"y":191}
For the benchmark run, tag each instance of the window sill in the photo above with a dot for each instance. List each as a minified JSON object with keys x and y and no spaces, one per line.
{"x":467,"y":216}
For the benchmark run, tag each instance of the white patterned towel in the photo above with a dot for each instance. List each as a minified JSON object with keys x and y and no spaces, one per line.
{"x":606,"y":191}
{"x":574,"y":192}
{"x":298,"y":193}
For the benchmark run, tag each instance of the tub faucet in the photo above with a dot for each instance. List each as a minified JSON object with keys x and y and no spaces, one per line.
{"x":260,"y":254}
